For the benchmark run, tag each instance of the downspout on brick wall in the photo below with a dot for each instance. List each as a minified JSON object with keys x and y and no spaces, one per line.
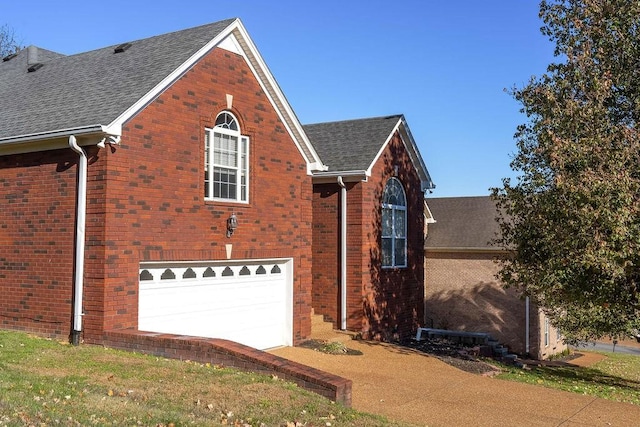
{"x":343,"y":254}
{"x":81,"y":218}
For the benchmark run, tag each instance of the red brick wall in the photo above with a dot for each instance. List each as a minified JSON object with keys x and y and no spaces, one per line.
{"x":326,"y":252}
{"x":381,"y":303}
{"x":393,"y":298}
{"x":146,"y":197}
{"x":37,"y":227}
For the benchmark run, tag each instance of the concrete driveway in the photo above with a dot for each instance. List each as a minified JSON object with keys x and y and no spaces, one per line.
{"x":405,"y":385}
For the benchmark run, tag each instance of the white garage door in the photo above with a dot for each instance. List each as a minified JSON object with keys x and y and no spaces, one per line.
{"x":249,"y":301}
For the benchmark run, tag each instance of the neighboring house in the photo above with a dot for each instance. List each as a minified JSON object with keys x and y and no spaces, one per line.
{"x":461,"y":288}
{"x":166,"y":185}
{"x":368,"y":222}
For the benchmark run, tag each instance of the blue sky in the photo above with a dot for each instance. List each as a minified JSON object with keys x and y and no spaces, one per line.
{"x":445,"y":65}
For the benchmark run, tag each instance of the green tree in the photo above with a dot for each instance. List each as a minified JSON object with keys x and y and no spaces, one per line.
{"x":572,"y":218}
{"x":8,"y":43}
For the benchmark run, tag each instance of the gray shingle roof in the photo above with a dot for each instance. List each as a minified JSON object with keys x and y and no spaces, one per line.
{"x":350,"y":145}
{"x":462,"y":222}
{"x":90,"y":88}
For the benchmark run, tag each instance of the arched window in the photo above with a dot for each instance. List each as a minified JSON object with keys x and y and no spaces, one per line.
{"x":226,"y":161}
{"x":394,"y":225}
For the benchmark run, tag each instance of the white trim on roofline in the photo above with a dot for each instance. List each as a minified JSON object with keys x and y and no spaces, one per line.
{"x":277,"y":98}
{"x":428,"y":215}
{"x":168,"y":80}
{"x":53,"y":140}
{"x":231,"y":38}
{"x":347,"y":176}
{"x":416,"y":158}
{"x":425,"y":179}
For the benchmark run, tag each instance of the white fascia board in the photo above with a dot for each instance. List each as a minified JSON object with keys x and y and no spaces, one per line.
{"x":56,"y":139}
{"x":236,"y":39}
{"x":347,"y":176}
{"x":277,"y":98}
{"x":428,"y":214}
{"x":409,"y":143}
{"x":171,"y":78}
{"x":383,"y":147}
{"x":416,"y":157}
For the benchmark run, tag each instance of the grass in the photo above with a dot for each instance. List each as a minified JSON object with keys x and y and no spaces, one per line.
{"x":617,"y":377}
{"x":45,"y":382}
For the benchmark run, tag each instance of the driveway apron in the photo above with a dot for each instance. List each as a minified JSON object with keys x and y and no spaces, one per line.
{"x":406,"y":385}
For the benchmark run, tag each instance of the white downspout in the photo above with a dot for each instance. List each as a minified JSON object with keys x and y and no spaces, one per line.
{"x":526,"y":326}
{"x":81,"y":217}
{"x":343,"y":254}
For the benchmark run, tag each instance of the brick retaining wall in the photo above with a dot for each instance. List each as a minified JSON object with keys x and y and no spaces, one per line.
{"x":231,"y":354}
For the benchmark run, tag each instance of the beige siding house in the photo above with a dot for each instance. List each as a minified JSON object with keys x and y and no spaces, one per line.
{"x":461,"y":289}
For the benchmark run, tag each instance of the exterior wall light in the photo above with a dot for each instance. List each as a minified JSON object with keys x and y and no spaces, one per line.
{"x":232,"y":224}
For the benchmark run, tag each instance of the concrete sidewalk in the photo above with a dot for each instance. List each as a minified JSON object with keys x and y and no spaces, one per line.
{"x":407,"y":385}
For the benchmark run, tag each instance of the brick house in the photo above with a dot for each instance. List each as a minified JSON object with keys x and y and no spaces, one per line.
{"x":166,"y":185}
{"x":461,"y":289}
{"x":368,"y":216}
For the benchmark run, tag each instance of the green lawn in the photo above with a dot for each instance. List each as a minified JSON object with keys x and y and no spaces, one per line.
{"x":44,"y":382}
{"x":617,"y":377}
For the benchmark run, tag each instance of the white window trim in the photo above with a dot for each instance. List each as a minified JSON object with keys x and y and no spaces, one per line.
{"x":244,"y":151}
{"x":546,"y":332}
{"x":395,"y":209}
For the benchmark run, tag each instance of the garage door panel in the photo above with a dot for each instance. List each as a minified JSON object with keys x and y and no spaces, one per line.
{"x":251,"y":308}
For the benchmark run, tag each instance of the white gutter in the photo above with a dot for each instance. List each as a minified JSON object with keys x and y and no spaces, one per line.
{"x":81,"y":217}
{"x":343,"y":174}
{"x":343,"y":254}
{"x":92,"y":129}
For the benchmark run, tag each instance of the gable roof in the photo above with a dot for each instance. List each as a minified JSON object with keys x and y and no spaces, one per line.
{"x":351,"y":147}
{"x":95,"y":92}
{"x":462,"y":223}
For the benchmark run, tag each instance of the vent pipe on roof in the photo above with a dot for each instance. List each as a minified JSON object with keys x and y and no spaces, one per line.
{"x":32,"y":59}
{"x":32,"y":55}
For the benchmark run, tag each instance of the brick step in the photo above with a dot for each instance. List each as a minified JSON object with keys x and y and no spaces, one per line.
{"x":324,"y":331}
{"x":319,"y":325}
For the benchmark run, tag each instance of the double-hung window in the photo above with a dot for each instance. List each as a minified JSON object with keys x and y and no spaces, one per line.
{"x":394,"y":225}
{"x":226,"y":161}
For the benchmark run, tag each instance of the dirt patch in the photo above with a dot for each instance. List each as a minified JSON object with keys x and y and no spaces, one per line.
{"x":330,"y":347}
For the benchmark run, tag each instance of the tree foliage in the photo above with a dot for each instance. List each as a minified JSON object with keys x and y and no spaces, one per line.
{"x":572,"y":219}
{"x":8,"y":43}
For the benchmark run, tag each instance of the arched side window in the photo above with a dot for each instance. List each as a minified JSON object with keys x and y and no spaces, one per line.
{"x":394,"y":225}
{"x":226,"y":161}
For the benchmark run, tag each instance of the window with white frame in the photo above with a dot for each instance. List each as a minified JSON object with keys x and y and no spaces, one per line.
{"x":226,"y":161}
{"x":394,"y":225}
{"x":546,"y":331}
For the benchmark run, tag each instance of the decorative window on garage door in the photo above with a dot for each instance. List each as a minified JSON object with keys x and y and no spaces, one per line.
{"x":160,"y":273}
